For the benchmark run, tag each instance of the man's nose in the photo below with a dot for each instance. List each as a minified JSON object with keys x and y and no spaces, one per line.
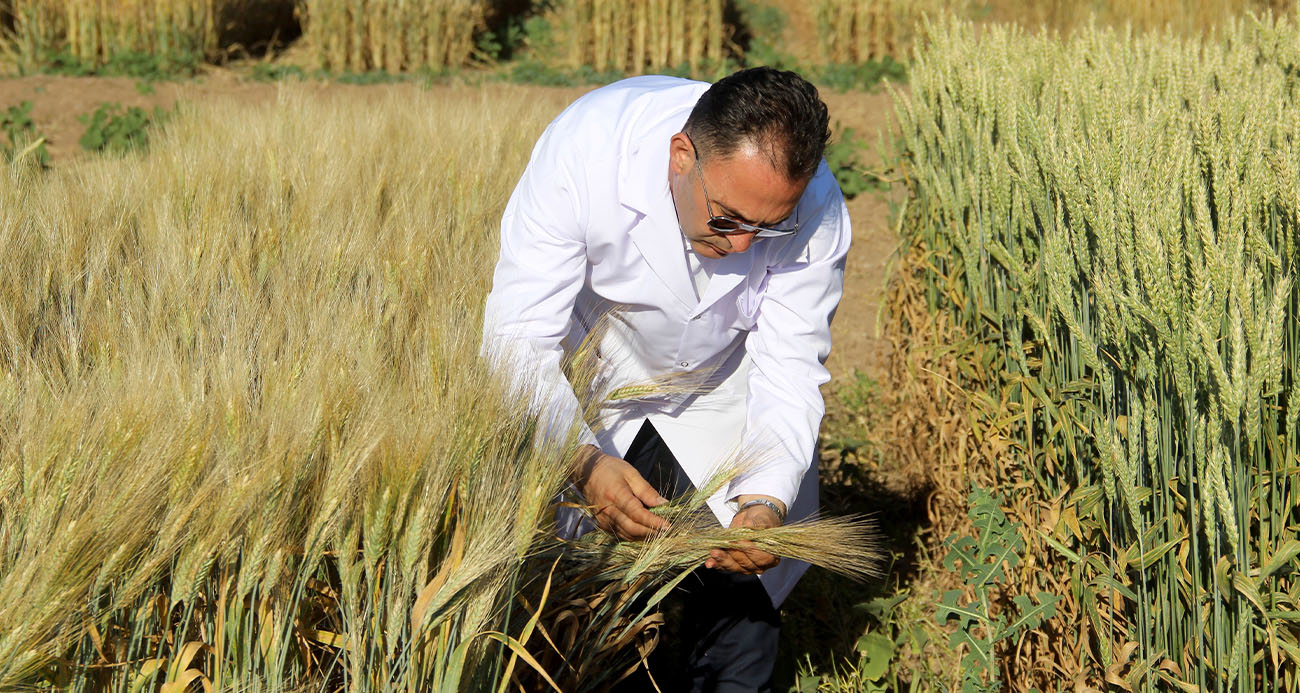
{"x":740,"y":242}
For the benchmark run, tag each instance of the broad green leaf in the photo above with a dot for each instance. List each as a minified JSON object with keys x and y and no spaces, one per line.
{"x":950,"y":607}
{"x":881,"y":607}
{"x":1029,"y":615}
{"x":877,"y":653}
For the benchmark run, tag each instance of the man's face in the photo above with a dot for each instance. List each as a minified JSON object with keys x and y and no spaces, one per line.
{"x":743,"y":186}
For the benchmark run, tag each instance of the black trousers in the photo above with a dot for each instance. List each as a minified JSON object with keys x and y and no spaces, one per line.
{"x":722,"y":629}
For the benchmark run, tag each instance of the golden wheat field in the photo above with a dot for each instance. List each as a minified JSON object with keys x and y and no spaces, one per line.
{"x":249,"y":438}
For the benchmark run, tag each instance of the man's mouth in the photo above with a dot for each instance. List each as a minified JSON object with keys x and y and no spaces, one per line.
{"x":715,"y":248}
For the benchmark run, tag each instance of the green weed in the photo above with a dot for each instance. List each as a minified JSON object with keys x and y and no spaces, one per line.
{"x":20,"y":133}
{"x":842,"y":155}
{"x":872,"y":668}
{"x":866,"y":75}
{"x":981,"y":561}
{"x":762,"y":26}
{"x":113,"y":129}
{"x":274,"y":72}
{"x":152,"y":67}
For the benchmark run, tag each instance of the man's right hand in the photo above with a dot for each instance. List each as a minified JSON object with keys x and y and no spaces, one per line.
{"x":619,"y":496}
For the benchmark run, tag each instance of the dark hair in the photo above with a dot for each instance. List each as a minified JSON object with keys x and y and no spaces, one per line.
{"x":775,"y":110}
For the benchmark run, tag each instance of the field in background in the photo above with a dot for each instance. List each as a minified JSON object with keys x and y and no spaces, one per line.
{"x":546,"y":40}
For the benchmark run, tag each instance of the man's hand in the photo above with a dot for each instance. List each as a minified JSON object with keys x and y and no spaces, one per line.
{"x":744,"y":558}
{"x":619,"y":495}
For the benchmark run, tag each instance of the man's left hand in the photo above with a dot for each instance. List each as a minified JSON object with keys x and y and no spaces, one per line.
{"x":744,"y":557}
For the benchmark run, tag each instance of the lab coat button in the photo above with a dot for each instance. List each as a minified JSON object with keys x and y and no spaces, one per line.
{"x":684,"y":364}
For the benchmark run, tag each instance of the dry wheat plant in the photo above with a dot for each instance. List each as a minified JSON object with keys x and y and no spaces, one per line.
{"x":635,"y":35}
{"x":390,"y":35}
{"x":405,"y":35}
{"x":246,"y":437}
{"x":92,"y":32}
{"x":339,"y":35}
{"x":1114,"y":218}
{"x":854,"y":31}
{"x":1185,"y":16}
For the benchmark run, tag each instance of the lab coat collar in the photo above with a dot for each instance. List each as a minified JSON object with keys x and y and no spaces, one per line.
{"x":643,"y":187}
{"x":727,"y":273}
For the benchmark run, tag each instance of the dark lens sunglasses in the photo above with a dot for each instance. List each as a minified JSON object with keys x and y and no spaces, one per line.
{"x":727,"y":226}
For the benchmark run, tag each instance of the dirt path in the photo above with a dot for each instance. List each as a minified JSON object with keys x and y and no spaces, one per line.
{"x":855,"y":335}
{"x":57,"y":102}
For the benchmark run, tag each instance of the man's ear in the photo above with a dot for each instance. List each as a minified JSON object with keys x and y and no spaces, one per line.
{"x":681,"y":156}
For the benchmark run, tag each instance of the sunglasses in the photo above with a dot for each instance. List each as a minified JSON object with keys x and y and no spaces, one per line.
{"x":726,"y":226}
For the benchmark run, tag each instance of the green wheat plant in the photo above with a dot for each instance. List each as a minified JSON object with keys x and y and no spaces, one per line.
{"x":1114,"y":215}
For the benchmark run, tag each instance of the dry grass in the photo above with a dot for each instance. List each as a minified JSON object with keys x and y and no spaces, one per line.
{"x":225,"y":362}
{"x":635,"y":36}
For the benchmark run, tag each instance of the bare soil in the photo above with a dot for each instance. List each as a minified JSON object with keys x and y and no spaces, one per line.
{"x":855,"y":331}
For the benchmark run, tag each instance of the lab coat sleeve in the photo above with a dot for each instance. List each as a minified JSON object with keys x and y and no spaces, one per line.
{"x":540,"y":270}
{"x":788,"y":348}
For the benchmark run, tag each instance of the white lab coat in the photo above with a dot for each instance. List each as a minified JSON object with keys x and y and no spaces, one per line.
{"x":591,"y":225}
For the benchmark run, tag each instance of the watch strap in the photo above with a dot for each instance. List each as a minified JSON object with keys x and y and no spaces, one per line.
{"x":763,"y":501}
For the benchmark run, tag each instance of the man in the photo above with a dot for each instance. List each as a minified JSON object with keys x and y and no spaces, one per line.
{"x":707,"y":215}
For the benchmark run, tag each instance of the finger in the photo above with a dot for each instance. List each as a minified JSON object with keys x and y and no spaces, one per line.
{"x":628,"y":527}
{"x":612,"y":520}
{"x":632,"y":507}
{"x":607,"y":519}
{"x":728,"y":560}
{"x":736,"y":562}
{"x":630,"y":515}
{"x":643,"y":491}
{"x":723,"y":560}
{"x":742,"y":559}
{"x":759,"y":557}
{"x":762,"y":560}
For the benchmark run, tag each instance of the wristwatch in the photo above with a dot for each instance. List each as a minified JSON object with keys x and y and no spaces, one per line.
{"x":763,"y":501}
